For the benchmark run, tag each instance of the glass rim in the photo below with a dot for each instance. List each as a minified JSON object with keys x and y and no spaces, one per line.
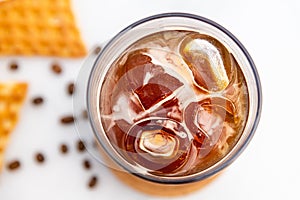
{"x":215,"y":168}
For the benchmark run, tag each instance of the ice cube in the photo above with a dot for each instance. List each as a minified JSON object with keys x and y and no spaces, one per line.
{"x":205,"y":61}
{"x":136,"y":68}
{"x":148,"y":82}
{"x":151,"y":94}
{"x":205,"y":119}
{"x":157,"y":89}
{"x":160,"y":144}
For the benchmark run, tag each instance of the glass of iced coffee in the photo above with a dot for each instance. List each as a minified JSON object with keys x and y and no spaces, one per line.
{"x":172,"y":99}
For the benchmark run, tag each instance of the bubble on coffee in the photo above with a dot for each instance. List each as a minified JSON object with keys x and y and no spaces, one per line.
{"x":174,"y":103}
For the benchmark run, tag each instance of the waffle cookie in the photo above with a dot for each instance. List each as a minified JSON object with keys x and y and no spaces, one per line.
{"x":39,"y":27}
{"x":12,"y":96}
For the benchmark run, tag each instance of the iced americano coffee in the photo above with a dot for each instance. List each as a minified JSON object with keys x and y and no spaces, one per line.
{"x":173,"y":98}
{"x":174,"y":103}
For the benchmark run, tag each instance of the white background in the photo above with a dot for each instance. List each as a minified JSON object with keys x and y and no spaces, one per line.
{"x":268,"y":169}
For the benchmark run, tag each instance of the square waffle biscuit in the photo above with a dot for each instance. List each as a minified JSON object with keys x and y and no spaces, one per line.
{"x":39,"y":27}
{"x":12,"y":96}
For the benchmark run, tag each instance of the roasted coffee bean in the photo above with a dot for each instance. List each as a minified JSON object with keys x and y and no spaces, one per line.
{"x":71,"y":88}
{"x":39,"y":157}
{"x":67,"y":119}
{"x":37,"y":100}
{"x":14,"y":165}
{"x":13,"y":66}
{"x":93,"y":182}
{"x":64,"y":148}
{"x":86,"y":164}
{"x":80,"y":146}
{"x":97,"y":50}
{"x":56,"y":68}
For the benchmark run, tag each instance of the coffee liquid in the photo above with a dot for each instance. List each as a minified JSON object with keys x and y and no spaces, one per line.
{"x":174,"y":103}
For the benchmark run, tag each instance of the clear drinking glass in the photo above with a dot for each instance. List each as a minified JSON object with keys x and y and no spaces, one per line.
{"x":97,"y":70}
